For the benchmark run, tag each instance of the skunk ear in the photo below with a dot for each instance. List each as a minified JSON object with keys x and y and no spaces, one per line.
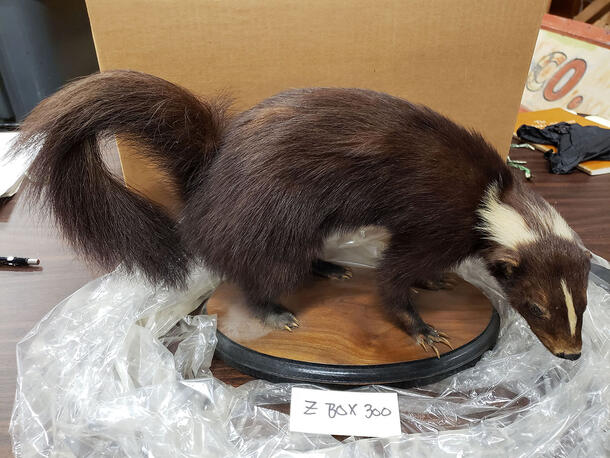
{"x":588,"y":254}
{"x":502,"y":261}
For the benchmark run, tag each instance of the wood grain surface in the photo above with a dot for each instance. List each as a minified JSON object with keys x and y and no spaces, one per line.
{"x":27,"y":295}
{"x":343,"y":322}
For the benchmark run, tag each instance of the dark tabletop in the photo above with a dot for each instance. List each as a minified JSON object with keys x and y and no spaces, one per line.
{"x":26,"y":295}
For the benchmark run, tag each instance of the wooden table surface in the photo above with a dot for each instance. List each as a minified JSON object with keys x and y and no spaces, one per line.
{"x":26,"y":295}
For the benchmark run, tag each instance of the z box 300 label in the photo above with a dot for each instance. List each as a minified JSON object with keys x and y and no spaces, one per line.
{"x":344,"y":413}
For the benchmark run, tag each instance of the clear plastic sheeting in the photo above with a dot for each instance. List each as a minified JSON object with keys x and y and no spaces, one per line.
{"x":122,"y":369}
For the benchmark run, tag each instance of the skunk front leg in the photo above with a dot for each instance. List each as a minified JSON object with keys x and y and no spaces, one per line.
{"x":424,"y":334}
{"x":271,"y":313}
{"x":397,"y":274}
{"x":330,"y":270}
{"x":438,"y":282}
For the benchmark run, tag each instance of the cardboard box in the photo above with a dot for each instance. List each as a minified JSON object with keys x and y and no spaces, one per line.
{"x":466,"y":59}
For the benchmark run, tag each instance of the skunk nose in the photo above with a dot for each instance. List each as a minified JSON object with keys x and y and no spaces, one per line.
{"x":572,"y":356}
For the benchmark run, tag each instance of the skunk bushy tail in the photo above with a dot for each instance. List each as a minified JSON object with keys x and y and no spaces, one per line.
{"x":103,"y":220}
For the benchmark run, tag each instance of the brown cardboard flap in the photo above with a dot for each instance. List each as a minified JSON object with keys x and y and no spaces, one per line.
{"x":147,"y":179}
{"x":466,"y":59}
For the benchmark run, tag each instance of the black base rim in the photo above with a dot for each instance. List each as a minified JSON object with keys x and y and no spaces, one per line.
{"x":409,"y":373}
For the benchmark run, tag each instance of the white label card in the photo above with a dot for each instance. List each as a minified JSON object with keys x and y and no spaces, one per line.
{"x":344,"y":413}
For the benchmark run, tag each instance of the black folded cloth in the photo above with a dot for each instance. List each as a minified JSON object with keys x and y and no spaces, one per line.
{"x":575,"y":144}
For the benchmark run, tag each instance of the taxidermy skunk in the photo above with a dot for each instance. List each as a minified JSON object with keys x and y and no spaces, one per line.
{"x":265,"y":188}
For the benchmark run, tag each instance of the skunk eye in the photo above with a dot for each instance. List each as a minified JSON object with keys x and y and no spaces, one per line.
{"x":535,"y":310}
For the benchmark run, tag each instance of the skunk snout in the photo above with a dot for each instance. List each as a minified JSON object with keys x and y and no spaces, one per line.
{"x":571,"y":356}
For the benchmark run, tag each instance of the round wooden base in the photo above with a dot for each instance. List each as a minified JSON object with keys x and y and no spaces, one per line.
{"x":345,"y":338}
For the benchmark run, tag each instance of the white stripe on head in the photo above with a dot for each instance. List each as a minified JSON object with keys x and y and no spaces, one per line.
{"x":560,"y":227}
{"x":502,"y":223}
{"x":570,"y":306}
{"x":551,"y":220}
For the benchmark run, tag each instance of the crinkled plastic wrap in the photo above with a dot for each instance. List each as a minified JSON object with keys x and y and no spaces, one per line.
{"x":122,"y":369}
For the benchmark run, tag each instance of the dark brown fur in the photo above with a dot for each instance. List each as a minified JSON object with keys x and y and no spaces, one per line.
{"x":263,"y":191}
{"x":97,"y":214}
{"x":307,"y":163}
